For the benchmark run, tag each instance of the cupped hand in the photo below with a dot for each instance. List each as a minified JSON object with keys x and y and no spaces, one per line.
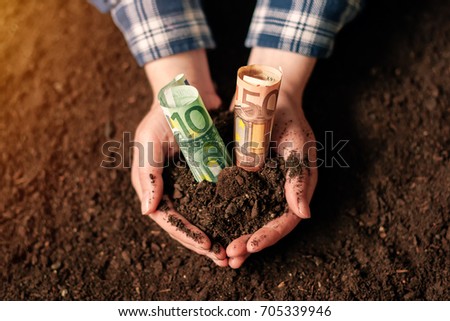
{"x":153,"y":142}
{"x":296,"y":144}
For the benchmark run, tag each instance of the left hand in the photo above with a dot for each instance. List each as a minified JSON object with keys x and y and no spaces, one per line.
{"x":293,"y":134}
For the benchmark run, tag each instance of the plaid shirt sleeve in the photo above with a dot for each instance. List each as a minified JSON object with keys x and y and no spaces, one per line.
{"x":307,"y":27}
{"x":158,"y":28}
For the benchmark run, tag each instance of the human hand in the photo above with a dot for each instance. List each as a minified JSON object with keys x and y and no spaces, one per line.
{"x":154,"y":141}
{"x":293,"y":136}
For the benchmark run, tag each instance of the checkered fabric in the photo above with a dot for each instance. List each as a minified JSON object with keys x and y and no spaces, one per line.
{"x":307,"y":27}
{"x":157,"y":28}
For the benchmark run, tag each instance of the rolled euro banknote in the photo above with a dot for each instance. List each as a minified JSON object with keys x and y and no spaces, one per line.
{"x":194,"y":130}
{"x":256,"y":97}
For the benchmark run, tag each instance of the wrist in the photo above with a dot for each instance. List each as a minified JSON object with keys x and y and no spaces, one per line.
{"x":193,"y":64}
{"x":296,"y":70}
{"x":288,"y":106}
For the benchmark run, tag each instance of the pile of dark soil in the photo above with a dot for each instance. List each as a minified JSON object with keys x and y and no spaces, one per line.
{"x":240,"y":203}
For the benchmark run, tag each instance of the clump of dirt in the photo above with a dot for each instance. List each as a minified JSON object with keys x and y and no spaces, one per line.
{"x":240,"y":203}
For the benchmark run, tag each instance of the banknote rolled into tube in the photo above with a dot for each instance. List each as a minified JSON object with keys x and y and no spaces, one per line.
{"x":257,"y":88}
{"x":193,"y":129}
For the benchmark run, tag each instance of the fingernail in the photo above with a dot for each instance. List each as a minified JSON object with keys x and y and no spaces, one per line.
{"x":145,"y":203}
{"x":304,"y":211}
{"x":215,"y":248}
{"x":219,"y":262}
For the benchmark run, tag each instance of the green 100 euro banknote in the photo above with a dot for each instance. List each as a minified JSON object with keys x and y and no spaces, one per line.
{"x":194,"y":130}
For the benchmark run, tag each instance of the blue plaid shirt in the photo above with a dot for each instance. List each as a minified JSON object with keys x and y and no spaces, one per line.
{"x":157,"y":28}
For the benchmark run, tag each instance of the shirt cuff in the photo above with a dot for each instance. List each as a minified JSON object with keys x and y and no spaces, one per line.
{"x":307,"y":27}
{"x":159,"y":28}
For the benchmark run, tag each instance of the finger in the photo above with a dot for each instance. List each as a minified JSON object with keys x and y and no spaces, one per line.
{"x":135,"y":179}
{"x":219,"y":251}
{"x":236,"y":262}
{"x":148,"y":161}
{"x":296,"y":191}
{"x":218,"y":258}
{"x":212,"y":102}
{"x":272,"y":232}
{"x":232,"y":104}
{"x":299,"y":189}
{"x":180,"y":228}
{"x":297,"y":147}
{"x":238,"y":247}
{"x":301,"y":177}
{"x":289,"y":147}
{"x":216,"y":252}
{"x":221,"y":263}
{"x":152,"y":187}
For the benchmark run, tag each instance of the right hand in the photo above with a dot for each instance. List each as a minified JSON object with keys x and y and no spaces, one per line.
{"x":153,"y":141}
{"x":290,"y":126}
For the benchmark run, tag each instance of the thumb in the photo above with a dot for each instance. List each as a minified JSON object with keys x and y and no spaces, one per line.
{"x":152,"y":187}
{"x":296,"y":190}
{"x":232,"y":104}
{"x":150,"y":168}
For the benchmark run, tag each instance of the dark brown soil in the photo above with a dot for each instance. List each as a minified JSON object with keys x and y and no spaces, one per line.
{"x":240,"y":202}
{"x":70,"y":229}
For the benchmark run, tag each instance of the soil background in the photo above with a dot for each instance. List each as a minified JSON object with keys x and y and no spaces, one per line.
{"x":70,"y":229}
